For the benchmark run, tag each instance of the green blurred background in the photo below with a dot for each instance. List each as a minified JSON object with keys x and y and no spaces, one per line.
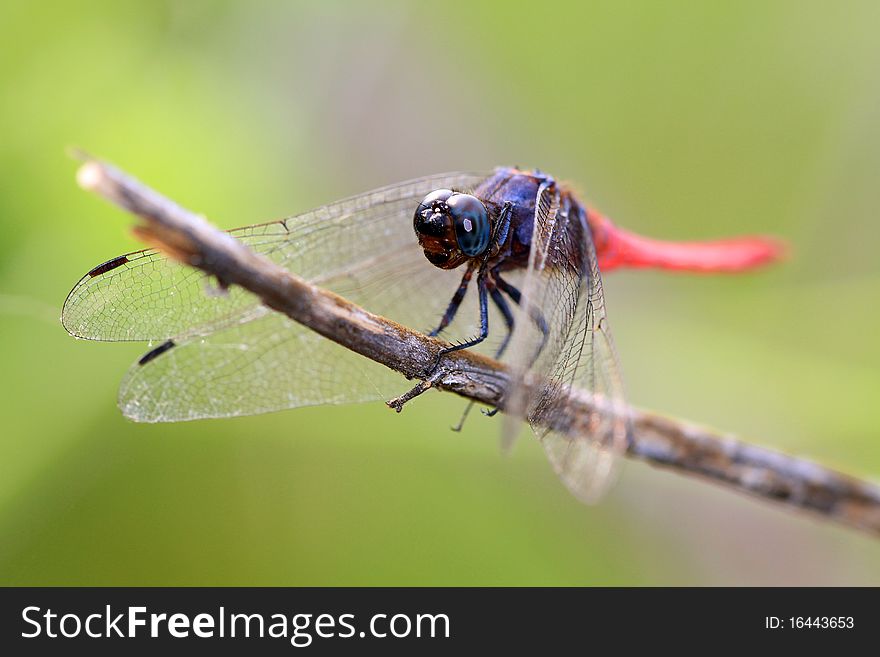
{"x":679,"y":120}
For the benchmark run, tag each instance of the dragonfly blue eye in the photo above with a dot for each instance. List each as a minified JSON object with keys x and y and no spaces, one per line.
{"x":471,"y":222}
{"x":451,"y":227}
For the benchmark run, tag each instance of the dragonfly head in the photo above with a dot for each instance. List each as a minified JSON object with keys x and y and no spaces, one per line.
{"x":451,"y":227}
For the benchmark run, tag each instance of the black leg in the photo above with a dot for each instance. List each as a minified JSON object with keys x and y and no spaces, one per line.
{"x":511,"y":291}
{"x":502,"y":305}
{"x":536,"y":315}
{"x":457,"y":298}
{"x":484,"y":320}
{"x":499,"y":300}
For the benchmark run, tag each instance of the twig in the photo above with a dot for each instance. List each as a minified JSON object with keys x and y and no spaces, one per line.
{"x":663,"y":442}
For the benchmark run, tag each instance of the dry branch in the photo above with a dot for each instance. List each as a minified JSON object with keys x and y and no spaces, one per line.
{"x":663,"y":442}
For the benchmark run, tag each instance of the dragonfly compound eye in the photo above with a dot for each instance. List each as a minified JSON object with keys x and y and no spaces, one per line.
{"x":436,"y":230}
{"x":471,"y":223}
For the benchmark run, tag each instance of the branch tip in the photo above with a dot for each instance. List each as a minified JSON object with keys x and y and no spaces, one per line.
{"x":90,"y":176}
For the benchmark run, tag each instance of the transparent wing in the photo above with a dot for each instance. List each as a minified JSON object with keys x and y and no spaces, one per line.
{"x":265,"y":364}
{"x":233,"y":357}
{"x":562,"y":290}
{"x":145,"y":296}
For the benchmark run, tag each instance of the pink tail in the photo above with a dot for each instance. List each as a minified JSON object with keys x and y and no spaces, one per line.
{"x":616,"y":247}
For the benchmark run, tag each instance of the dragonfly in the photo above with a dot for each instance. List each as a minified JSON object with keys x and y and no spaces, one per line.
{"x":529,"y":247}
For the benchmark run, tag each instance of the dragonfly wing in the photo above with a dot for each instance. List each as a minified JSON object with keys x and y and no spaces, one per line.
{"x":145,"y":296}
{"x":230,"y":355}
{"x":267,"y":363}
{"x":562,"y":289}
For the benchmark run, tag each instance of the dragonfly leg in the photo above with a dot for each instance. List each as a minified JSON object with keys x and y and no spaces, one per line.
{"x":434,"y":374}
{"x":454,"y":304}
{"x":502,"y":305}
{"x":467,"y":410}
{"x":484,"y":319}
{"x":536,"y":315}
{"x":511,"y":291}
